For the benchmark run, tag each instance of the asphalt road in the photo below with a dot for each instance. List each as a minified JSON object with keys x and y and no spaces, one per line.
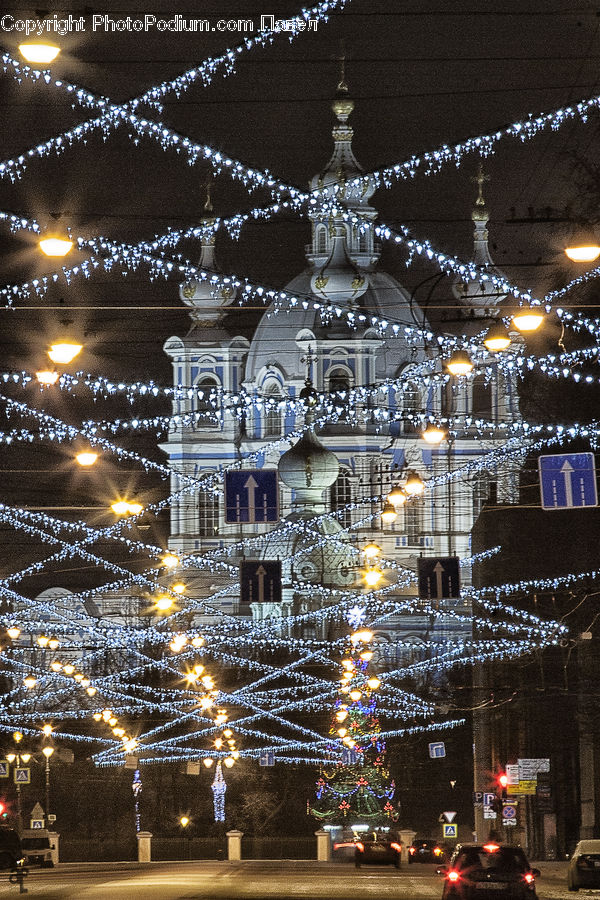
{"x":261,"y":880}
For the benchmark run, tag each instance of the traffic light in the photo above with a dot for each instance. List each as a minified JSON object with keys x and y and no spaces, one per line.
{"x":502,"y":781}
{"x":3,"y":810}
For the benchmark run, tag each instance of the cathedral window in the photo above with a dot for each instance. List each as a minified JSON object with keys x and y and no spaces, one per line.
{"x":321,"y":239}
{"x":363,"y":242}
{"x":207,"y":406}
{"x":482,"y":397}
{"x":412,"y":404}
{"x":341,"y":497}
{"x":339,"y":385}
{"x":413,"y":521}
{"x":208,"y":514}
{"x":272,"y":413}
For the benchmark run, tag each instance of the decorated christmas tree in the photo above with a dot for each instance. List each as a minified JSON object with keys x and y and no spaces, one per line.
{"x":357,"y":788}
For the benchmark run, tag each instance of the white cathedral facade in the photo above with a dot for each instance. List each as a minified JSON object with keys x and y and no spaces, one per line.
{"x":347,"y":465}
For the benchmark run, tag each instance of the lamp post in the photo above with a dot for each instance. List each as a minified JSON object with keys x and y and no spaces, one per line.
{"x":47,"y":751}
{"x":17,"y":759}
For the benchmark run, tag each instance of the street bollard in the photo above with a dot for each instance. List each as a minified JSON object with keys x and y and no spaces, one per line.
{"x":407,"y":836}
{"x":323,"y":846}
{"x":234,"y":845}
{"x":144,"y":839}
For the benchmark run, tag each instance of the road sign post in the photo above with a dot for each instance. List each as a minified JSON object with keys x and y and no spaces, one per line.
{"x":251,"y":495}
{"x":260,"y":581}
{"x":437,"y":750}
{"x":568,"y":481}
{"x":439,"y":578}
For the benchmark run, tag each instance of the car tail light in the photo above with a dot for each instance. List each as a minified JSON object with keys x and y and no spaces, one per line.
{"x":529,"y":878}
{"x":396,"y":846}
{"x":437,"y":851}
{"x":360,"y":846}
{"x":412,"y":850}
{"x":491,"y":848}
{"x":453,"y":876}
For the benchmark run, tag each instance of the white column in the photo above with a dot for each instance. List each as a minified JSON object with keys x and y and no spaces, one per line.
{"x":234,"y":845}
{"x":144,"y":839}
{"x":323,"y":845}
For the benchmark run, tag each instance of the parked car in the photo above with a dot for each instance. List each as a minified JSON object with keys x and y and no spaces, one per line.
{"x":584,"y":867}
{"x":374,"y":848}
{"x":11,"y":853}
{"x":37,"y":848}
{"x":426,"y":851}
{"x":488,"y":871}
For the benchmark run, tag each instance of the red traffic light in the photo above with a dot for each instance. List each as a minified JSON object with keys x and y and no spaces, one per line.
{"x":503,"y":779}
{"x":2,"y":807}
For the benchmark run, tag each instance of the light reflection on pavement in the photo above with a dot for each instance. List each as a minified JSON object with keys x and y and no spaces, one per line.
{"x":260,"y":880}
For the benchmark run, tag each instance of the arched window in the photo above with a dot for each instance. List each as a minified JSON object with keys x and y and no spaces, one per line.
{"x":339,"y":384}
{"x":207,"y":406}
{"x":272,"y":414}
{"x":208,"y":514}
{"x":321,"y":239}
{"x":448,"y":398}
{"x":482,"y":397}
{"x":412,"y":403}
{"x":341,"y":497}
{"x":413,"y":521}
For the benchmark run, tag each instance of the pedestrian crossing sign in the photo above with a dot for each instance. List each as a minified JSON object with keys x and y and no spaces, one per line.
{"x":450,"y":830}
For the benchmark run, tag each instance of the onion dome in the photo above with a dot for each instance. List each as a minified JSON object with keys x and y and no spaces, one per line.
{"x":207,"y":297}
{"x":308,"y":468}
{"x":339,"y":280}
{"x":343,"y":166}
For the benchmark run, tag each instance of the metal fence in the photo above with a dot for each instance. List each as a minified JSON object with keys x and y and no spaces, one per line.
{"x":79,"y":850}
{"x":188,"y":848}
{"x":279,"y":847}
{"x":165,"y":848}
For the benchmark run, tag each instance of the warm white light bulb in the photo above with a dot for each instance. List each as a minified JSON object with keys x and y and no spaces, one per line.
{"x":39,"y":53}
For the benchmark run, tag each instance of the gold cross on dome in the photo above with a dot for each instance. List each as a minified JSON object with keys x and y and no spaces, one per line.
{"x":480,"y":180}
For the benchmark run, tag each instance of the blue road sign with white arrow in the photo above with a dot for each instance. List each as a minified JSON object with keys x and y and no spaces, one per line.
{"x":438,"y":578}
{"x":251,"y":495}
{"x":568,"y":480}
{"x":260,"y":581}
{"x":267,"y":759}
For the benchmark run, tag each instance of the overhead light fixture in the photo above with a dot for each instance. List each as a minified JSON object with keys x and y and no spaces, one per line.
{"x":56,"y":246}
{"x":433,"y":434}
{"x":497,"y":337}
{"x":372,"y":577}
{"x":170,"y":560}
{"x":529,"y":318}
{"x":64,"y":352}
{"x":414,"y":484}
{"x":47,"y":377}
{"x":86,"y":458}
{"x":39,"y":53}
{"x":370,"y":550}
{"x":460,"y":363}
{"x":583,"y":246}
{"x":388,"y":513}
{"x":397,"y":496}
{"x":125,"y":508}
{"x":164,"y":603}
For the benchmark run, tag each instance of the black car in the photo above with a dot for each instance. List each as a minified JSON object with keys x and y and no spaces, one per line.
{"x":11,"y":853}
{"x":426,"y":851}
{"x":372,"y":848}
{"x":488,"y":870}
